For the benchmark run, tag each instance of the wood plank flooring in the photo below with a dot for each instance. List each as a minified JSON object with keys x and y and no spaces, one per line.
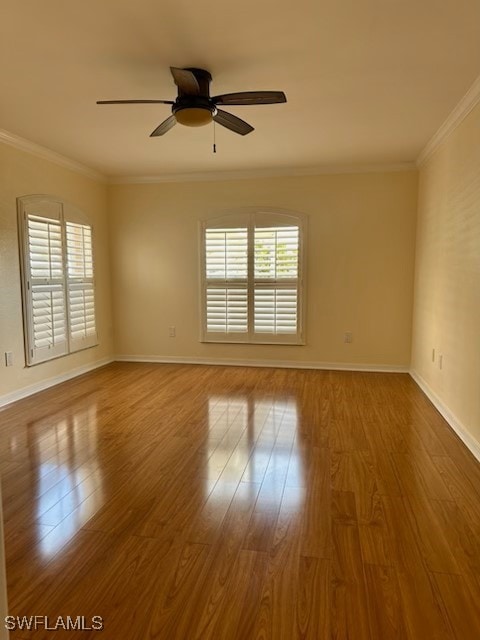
{"x":190,"y":502}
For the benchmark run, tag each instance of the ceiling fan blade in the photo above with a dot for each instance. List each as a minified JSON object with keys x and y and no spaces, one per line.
{"x":233,"y":123}
{"x":251,"y":97}
{"x":164,"y":127}
{"x":185,"y":81}
{"x":135,"y":102}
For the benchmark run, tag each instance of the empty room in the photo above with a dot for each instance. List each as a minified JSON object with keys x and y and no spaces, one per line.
{"x":239,"y":304}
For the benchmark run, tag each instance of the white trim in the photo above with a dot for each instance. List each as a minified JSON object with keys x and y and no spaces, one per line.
{"x":459,"y":113}
{"x":247,"y":174}
{"x":460,"y":429}
{"x":280,"y":364}
{"x":40,"y":151}
{"x":8,"y":398}
{"x":47,"y":154}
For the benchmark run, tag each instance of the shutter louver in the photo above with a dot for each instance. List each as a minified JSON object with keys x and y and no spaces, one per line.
{"x":227,"y":310}
{"x":82,"y":311}
{"x":226,"y":253}
{"x":81,"y":300}
{"x":276,"y":252}
{"x":276,"y":311}
{"x":45,"y":289}
{"x":48,"y":311}
{"x":79,"y":250}
{"x":45,"y":248}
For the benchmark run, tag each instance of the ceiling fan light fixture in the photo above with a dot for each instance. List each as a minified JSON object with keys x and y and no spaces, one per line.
{"x":194,"y":107}
{"x":194,"y":116}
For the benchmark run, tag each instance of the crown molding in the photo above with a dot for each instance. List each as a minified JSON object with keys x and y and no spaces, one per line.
{"x":35,"y":149}
{"x":47,"y":154}
{"x":215,"y":176}
{"x":456,"y":117}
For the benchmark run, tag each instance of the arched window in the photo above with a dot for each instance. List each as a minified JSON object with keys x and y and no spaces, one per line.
{"x":57,"y":278}
{"x":252,"y":278}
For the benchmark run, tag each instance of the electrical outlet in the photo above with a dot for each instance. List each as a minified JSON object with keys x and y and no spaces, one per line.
{"x":172,"y":332}
{"x":348,"y":337}
{"x":9,"y":358}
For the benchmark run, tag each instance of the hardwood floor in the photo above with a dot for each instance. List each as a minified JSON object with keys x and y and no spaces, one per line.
{"x":190,"y":502}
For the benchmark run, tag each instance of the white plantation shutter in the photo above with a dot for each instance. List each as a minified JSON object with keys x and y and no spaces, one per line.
{"x":58,"y":292}
{"x":276,"y":259}
{"x":276,"y":252}
{"x":45,"y":248}
{"x":227,"y":310}
{"x":226,"y":254}
{"x":81,"y":299}
{"x":225,"y":283}
{"x":276,"y":310}
{"x":45,"y":286}
{"x":252,"y":279}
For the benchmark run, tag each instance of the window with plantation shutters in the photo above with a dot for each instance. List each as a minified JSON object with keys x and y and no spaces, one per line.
{"x":57,"y":279}
{"x":252,"y":279}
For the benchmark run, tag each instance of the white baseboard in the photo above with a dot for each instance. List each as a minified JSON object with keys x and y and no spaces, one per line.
{"x":8,"y":398}
{"x":280,"y":364}
{"x":462,"y":432}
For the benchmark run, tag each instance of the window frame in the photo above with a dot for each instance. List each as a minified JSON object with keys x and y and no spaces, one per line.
{"x":51,"y":207}
{"x":251,"y":218}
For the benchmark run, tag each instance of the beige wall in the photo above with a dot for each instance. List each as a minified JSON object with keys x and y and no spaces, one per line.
{"x":447,"y":280}
{"x":360,"y":265}
{"x":360,"y":247}
{"x":23,"y":174}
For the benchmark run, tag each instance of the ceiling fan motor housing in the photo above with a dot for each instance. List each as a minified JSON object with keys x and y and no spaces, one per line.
{"x":195,"y":110}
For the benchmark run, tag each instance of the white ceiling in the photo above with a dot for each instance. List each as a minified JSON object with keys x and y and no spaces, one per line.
{"x":367,"y":81}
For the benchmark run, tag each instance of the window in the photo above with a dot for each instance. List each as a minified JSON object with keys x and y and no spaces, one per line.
{"x":57,"y":279}
{"x":252,"y":285}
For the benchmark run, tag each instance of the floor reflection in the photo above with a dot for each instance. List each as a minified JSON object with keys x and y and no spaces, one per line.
{"x":72,"y":522}
{"x":253,"y":440}
{"x":68,"y":488}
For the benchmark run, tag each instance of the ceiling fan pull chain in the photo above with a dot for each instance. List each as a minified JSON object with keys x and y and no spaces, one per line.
{"x":214,"y":145}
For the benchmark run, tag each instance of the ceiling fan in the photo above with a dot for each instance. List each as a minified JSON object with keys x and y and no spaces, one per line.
{"x":194,"y":107}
